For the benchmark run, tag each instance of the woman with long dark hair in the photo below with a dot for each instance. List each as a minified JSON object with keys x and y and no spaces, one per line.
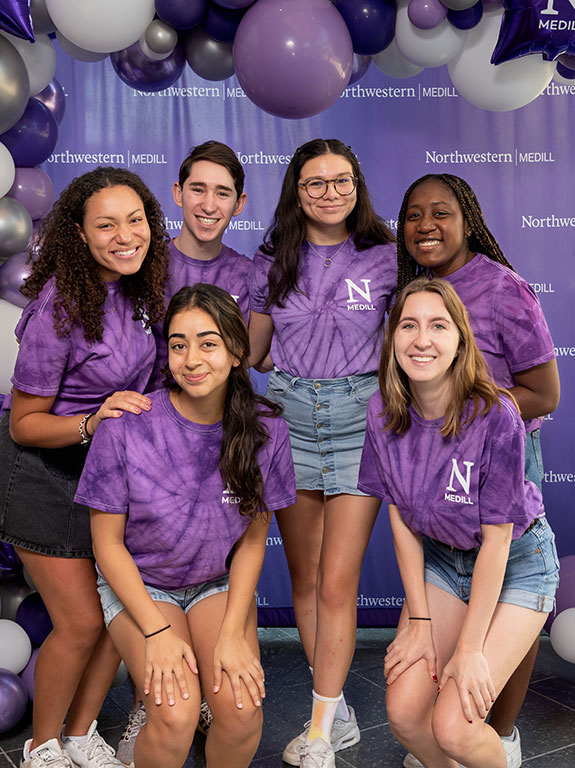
{"x":180,"y":501}
{"x":321,"y":285}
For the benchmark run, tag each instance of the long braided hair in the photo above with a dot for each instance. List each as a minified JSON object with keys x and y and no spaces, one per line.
{"x":479,"y":241}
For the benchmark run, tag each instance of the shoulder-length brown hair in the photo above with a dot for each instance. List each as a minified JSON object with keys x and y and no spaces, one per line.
{"x":469,"y":374}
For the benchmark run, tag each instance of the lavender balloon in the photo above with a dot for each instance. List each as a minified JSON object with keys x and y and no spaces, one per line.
{"x":32,"y":140}
{"x":209,"y":58}
{"x":135,"y":69}
{"x":182,"y":14}
{"x":371,"y":23}
{"x":34,"y":189}
{"x":360,"y":66}
{"x":222,"y":23}
{"x":426,"y":14}
{"x":522,"y":34}
{"x":13,"y":700}
{"x":54,"y":98}
{"x":468,"y":18}
{"x":12,"y":275}
{"x":27,"y":674}
{"x":293,"y":60}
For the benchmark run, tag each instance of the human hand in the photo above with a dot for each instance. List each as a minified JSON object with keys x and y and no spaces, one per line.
{"x":114,"y":405}
{"x":471,"y":673}
{"x":235,"y":657}
{"x":165,"y":654}
{"x":411,"y":644}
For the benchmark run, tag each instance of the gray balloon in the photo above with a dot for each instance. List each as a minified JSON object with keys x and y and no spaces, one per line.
{"x":12,"y":591}
{"x":15,"y":227}
{"x":14,"y":85}
{"x":209,"y":58}
{"x":41,"y":21}
{"x":160,"y":37}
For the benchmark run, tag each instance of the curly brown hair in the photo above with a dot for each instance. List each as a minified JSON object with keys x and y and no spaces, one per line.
{"x":63,"y":255}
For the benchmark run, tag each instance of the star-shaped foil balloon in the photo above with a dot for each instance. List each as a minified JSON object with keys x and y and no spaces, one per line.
{"x":16,"y":19}
{"x":536,"y":26}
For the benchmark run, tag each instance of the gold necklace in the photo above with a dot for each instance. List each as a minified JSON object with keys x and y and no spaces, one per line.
{"x":328,"y":260}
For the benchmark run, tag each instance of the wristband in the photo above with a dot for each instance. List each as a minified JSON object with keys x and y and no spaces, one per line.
{"x":419,"y":618}
{"x":84,"y":436}
{"x":157,"y":632}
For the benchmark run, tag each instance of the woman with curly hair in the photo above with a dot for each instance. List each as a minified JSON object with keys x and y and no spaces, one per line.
{"x":86,"y":352}
{"x":445,"y":449}
{"x":180,"y":499}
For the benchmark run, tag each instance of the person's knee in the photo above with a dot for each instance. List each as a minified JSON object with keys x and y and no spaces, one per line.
{"x":241,"y":725}
{"x":337,"y":590}
{"x":175,"y":724}
{"x":405,"y":719}
{"x":452,"y":732}
{"x":82,"y":630}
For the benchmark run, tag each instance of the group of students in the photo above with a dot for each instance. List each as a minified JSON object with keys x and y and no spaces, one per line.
{"x":138,"y":349}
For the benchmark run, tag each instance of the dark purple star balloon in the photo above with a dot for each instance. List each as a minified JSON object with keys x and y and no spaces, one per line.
{"x":535,"y":26}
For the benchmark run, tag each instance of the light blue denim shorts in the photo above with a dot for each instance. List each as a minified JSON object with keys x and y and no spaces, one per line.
{"x":326,"y":419}
{"x":184,"y":598}
{"x":533,"y":458}
{"x":531,"y":577}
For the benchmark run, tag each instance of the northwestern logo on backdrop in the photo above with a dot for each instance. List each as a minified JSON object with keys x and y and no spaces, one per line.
{"x":378,"y":601}
{"x":542,"y":287}
{"x":87,"y":158}
{"x":558,"y":477}
{"x":464,"y":481}
{"x":185,"y":92}
{"x":551,"y":221}
{"x":359,"y":296}
{"x":458,"y":157}
{"x":565,"y":351}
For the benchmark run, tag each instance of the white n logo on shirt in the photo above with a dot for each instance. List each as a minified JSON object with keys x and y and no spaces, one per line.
{"x":351,"y":286}
{"x":465,"y":481}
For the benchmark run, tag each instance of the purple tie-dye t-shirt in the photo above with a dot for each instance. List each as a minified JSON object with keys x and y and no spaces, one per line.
{"x":506,"y":319}
{"x":447,"y":488}
{"x":229,"y":270}
{"x":81,"y":374}
{"x":332,"y":325}
{"x":162,"y":471}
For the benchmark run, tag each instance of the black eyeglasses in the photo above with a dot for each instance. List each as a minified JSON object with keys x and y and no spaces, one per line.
{"x":316,"y":188}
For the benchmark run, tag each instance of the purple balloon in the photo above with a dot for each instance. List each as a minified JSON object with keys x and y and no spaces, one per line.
{"x":9,"y":560}
{"x":32,"y":140}
{"x":34,"y":189}
{"x":13,"y":700}
{"x":222,"y":23}
{"x":181,"y":14}
{"x":15,"y":18}
{"x":359,"y":68}
{"x":371,"y":23}
{"x":293,"y":60}
{"x":27,"y":674}
{"x":522,"y":34}
{"x":468,"y":18}
{"x":566,"y":61}
{"x":54,"y":98}
{"x":565,"y":72}
{"x":426,"y":14}
{"x":12,"y":275}
{"x":234,"y":3}
{"x":135,"y":69}
{"x":34,"y":619}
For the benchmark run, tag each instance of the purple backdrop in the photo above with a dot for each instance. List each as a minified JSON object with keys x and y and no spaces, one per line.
{"x":519,"y":163}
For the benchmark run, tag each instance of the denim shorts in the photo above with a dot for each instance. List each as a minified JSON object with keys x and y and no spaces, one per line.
{"x":326,"y":419}
{"x":531,"y":577}
{"x":533,"y":458}
{"x":184,"y":598}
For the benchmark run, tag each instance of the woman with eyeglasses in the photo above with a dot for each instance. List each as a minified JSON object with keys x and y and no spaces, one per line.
{"x":321,"y":284}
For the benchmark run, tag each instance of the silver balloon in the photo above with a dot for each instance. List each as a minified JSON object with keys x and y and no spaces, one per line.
{"x":121,"y":675}
{"x":15,"y":227}
{"x":43,"y":24}
{"x":12,"y":591}
{"x":14,"y":85}
{"x":78,"y":53}
{"x":209,"y":58}
{"x":160,"y":37}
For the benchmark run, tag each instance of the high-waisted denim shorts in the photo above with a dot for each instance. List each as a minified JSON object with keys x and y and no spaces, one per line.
{"x":326,"y":419}
{"x":185,"y":598}
{"x":531,"y":577}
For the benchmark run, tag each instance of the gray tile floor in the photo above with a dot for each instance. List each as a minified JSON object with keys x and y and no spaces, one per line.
{"x":547,"y":721}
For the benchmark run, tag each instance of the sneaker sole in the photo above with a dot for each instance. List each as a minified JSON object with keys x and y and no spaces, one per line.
{"x":349,"y":741}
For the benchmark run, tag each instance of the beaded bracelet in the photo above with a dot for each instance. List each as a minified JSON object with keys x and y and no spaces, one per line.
{"x":84,"y":436}
{"x":157,"y":632}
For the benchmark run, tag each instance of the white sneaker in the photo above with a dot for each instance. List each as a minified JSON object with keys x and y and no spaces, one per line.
{"x":136,"y":720}
{"x":344,"y":733}
{"x":47,"y":754}
{"x":410,"y":761}
{"x":512,"y":747}
{"x":93,"y":753}
{"x":317,"y":755}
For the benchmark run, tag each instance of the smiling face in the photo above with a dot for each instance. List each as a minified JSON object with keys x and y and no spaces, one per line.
{"x":200,"y":364}
{"x":208,"y":199}
{"x":328,"y":213}
{"x":116,"y":231}
{"x":435,"y":230}
{"x":426,"y":341}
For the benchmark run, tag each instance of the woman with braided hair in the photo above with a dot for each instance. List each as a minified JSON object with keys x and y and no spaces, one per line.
{"x":442,"y":233}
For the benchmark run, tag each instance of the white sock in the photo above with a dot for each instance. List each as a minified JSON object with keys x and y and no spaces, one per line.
{"x":78,"y":739}
{"x":322,"y":717}
{"x":342,"y":712}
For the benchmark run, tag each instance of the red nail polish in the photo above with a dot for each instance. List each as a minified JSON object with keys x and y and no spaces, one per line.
{"x":434,"y":678}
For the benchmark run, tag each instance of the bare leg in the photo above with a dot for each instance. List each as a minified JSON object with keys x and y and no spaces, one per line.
{"x":301,"y":527}
{"x":68,"y":589}
{"x":509,"y":702}
{"x":235,"y":733}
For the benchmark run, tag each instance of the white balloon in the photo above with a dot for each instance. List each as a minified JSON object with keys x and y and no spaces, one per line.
{"x":458,"y":5}
{"x":427,"y":47}
{"x":393,"y":63}
{"x":103,"y":26}
{"x":9,"y":316}
{"x":510,"y":85}
{"x":562,"y":635}
{"x":7,"y":170}
{"x":15,"y":646}
{"x":81,"y":54}
{"x":39,"y":58}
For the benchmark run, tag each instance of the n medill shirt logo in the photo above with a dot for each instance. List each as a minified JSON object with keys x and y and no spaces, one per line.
{"x":464,"y":482}
{"x":353,"y":289}
{"x":228,"y":497}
